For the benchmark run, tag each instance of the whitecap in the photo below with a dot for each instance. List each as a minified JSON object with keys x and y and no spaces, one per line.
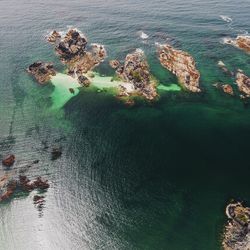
{"x":143,"y":35}
{"x":226,"y":18}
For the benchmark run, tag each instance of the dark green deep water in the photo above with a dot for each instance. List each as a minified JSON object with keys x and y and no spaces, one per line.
{"x":154,"y":176}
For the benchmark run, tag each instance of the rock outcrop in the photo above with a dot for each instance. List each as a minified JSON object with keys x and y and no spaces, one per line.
{"x":243,"y":83}
{"x":237,"y":230}
{"x":72,"y":51}
{"x":9,"y":185}
{"x":9,"y":160}
{"x":42,"y":71}
{"x":182,"y":65}
{"x":135,"y":71}
{"x":241,"y":42}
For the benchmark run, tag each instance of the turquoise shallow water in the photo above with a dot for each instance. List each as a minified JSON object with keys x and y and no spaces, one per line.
{"x":152,"y":176}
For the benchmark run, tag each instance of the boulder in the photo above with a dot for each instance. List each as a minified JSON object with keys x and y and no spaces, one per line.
{"x":182,"y":65}
{"x":228,"y":89}
{"x":54,"y":37}
{"x":9,"y":160}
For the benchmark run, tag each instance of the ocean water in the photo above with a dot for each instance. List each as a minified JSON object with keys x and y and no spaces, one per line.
{"x":153,"y":176}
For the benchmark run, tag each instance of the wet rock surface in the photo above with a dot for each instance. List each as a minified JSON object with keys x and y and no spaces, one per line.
{"x":73,"y":52}
{"x":9,"y":160}
{"x":42,"y":71}
{"x":243,"y":83}
{"x":182,"y":65}
{"x":135,"y":71}
{"x":237,"y":230}
{"x":241,"y":42}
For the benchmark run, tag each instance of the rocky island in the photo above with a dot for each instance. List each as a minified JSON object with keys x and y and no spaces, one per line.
{"x":135,"y":76}
{"x":182,"y":65}
{"x":237,"y":230}
{"x":243,"y":83}
{"x":241,"y":42}
{"x":73,"y":52}
{"x":42,"y":71}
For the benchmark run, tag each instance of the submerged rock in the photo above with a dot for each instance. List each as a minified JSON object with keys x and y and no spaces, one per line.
{"x":243,"y":83}
{"x":237,"y":230}
{"x":135,"y":72}
{"x":56,"y":153}
{"x":241,"y":42}
{"x":225,"y":69}
{"x":182,"y":65}
{"x":42,"y":71}
{"x":73,"y":52}
{"x":228,"y":89}
{"x":9,"y":160}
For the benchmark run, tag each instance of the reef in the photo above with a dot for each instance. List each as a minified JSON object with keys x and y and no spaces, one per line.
{"x":135,"y":76}
{"x":243,"y":83}
{"x":237,"y":230}
{"x":9,"y":160}
{"x":9,"y":185}
{"x":182,"y":65}
{"x":42,"y":71}
{"x":73,"y":52}
{"x":241,"y":42}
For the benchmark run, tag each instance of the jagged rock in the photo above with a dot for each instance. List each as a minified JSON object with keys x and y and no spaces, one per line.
{"x":73,"y":53}
{"x":54,"y":37}
{"x":243,"y":83}
{"x":38,"y":199}
{"x":9,"y":160}
{"x":136,"y":72}
{"x":241,"y":42}
{"x":42,"y":71}
{"x":237,"y":230}
{"x":83,"y":80}
{"x":182,"y":65}
{"x":114,"y":64}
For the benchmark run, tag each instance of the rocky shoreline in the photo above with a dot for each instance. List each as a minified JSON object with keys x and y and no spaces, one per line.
{"x":237,"y":230}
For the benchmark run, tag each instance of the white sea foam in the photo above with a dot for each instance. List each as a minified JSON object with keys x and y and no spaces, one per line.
{"x":143,"y":35}
{"x":226,"y":18}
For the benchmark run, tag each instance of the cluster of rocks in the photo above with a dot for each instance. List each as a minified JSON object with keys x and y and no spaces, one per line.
{"x":135,"y":71}
{"x":72,"y":51}
{"x":237,"y":230}
{"x":9,"y":185}
{"x":241,"y":42}
{"x":42,"y":71}
{"x":182,"y":65}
